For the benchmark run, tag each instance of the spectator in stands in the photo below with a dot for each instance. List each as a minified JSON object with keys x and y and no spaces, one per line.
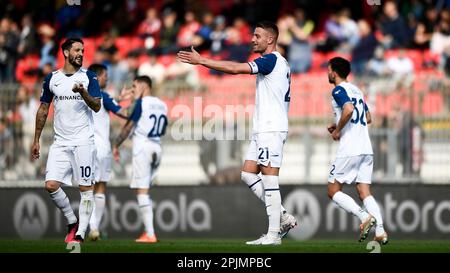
{"x":364,"y":49}
{"x":49,"y":48}
{"x":299,"y":50}
{"x":426,"y":27}
{"x":440,"y":40}
{"x":218,"y":40}
{"x":238,"y":40}
{"x":154,"y":70}
{"x":394,"y":27}
{"x":149,"y":29}
{"x":68,"y":21}
{"x":117,"y":67}
{"x":188,"y":30}
{"x":9,"y":42}
{"x":284,"y":35}
{"x":377,"y":66}
{"x":109,"y":49}
{"x":202,"y":39}
{"x":350,"y":31}
{"x":218,"y":35}
{"x":334,"y":34}
{"x":168,"y":34}
{"x":29,"y":39}
{"x":401,"y":68}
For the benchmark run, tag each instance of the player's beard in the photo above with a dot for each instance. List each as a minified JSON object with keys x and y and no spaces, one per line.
{"x":73,"y":61}
{"x":331,"y":79}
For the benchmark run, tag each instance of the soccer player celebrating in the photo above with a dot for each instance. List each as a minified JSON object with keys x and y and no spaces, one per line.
{"x":354,"y":157}
{"x":149,"y":121}
{"x":76,"y":93}
{"x":101,"y":138}
{"x":270,"y":124}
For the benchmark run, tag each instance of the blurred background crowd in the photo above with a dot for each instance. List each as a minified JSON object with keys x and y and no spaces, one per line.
{"x":399,"y":52}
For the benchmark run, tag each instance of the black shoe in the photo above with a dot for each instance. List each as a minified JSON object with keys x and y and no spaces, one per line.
{"x":78,"y":239}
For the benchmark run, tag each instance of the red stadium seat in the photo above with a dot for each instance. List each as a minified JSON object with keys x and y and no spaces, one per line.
{"x":27,"y":69}
{"x":123,"y":45}
{"x":166,"y":60}
{"x":318,"y":59}
{"x":416,"y":57}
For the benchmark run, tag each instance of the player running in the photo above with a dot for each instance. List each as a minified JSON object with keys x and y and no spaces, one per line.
{"x":149,"y":121}
{"x":354,"y":157}
{"x":76,"y":93}
{"x":270,"y":124}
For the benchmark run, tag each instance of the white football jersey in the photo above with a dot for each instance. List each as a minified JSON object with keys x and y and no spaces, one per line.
{"x":272,"y":93}
{"x":102,"y":120}
{"x":355,"y":134}
{"x":73,"y":122}
{"x":150,"y":118}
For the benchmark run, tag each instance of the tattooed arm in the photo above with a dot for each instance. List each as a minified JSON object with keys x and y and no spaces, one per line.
{"x":41,"y":118}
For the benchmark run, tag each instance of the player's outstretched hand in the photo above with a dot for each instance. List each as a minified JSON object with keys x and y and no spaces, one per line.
{"x":116,"y":154}
{"x":77,"y":88}
{"x":35,"y":151}
{"x":190,"y":57}
{"x":331,"y":128}
{"x":126,"y":93}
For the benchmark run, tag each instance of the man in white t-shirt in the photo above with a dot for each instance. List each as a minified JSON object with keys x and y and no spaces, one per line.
{"x":270,"y":124}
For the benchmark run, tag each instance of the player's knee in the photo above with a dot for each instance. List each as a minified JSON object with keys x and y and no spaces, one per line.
{"x":363,"y":195}
{"x":51,"y":186}
{"x":331,"y":193}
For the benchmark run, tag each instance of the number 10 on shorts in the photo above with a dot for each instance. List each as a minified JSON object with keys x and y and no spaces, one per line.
{"x":85,"y":171}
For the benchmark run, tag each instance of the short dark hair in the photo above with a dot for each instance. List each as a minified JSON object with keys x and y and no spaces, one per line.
{"x":67,"y":45}
{"x":269,"y":26}
{"x":144,"y":79}
{"x":341,"y":66}
{"x":97,"y":68}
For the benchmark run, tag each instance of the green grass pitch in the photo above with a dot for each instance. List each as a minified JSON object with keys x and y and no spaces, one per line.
{"x":223,"y":246}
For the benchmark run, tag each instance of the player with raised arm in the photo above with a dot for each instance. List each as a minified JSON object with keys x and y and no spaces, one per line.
{"x":76,"y":94}
{"x":103,"y":157}
{"x":148,"y":123}
{"x":354,"y":157}
{"x":270,"y":124}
